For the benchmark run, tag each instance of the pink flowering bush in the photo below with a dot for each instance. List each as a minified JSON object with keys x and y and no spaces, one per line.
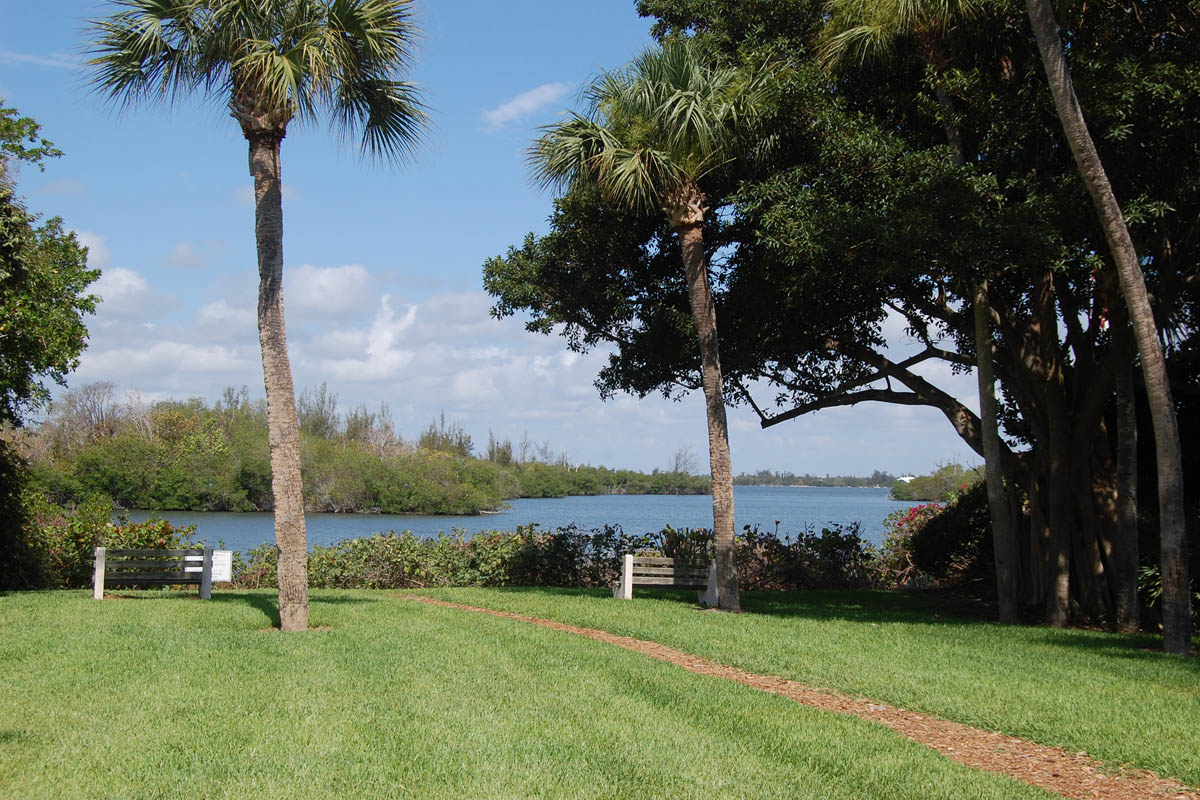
{"x":894,"y":565}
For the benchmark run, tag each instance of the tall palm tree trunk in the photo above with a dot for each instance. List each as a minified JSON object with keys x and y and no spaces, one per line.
{"x":687,"y":224}
{"x":283,"y":427}
{"x":1177,"y":614}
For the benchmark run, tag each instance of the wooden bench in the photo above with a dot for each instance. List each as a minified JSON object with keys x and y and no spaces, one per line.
{"x":164,"y":567}
{"x":671,"y":573}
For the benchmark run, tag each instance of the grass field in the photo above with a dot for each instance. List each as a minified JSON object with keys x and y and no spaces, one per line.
{"x":1116,"y":697}
{"x":168,"y":696}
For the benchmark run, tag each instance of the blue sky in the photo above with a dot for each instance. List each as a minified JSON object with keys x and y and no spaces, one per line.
{"x":382,"y":265}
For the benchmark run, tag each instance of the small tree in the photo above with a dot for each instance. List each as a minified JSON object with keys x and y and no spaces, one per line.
{"x":652,"y":133}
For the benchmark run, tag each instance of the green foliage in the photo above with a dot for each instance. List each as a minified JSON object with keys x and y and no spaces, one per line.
{"x":43,"y":280}
{"x":566,"y":557}
{"x":20,"y":140}
{"x":65,"y":538}
{"x":943,"y":485}
{"x":21,"y":564}
{"x":271,"y":61}
{"x":768,"y":478}
{"x":188,"y":456}
{"x":1150,"y":588}
{"x":954,"y":546}
{"x":447,"y":438}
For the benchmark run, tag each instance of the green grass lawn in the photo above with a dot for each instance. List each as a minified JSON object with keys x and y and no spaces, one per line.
{"x":169,"y":696}
{"x":1116,"y":697}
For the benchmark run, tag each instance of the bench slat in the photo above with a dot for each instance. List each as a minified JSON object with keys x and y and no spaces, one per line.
{"x":153,"y":577}
{"x":172,"y":563}
{"x":689,"y":571}
{"x":658,"y":561}
{"x":111,"y":554}
{"x":663,"y":581}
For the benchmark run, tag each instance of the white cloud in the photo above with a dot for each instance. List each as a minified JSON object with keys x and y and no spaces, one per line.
{"x":99,"y":256}
{"x":122,"y":291}
{"x":383,"y":357}
{"x":328,"y":290}
{"x":189,"y":255}
{"x":57,"y":60}
{"x":222,"y":315}
{"x":162,"y":357}
{"x":525,"y":104}
{"x":66,"y":186}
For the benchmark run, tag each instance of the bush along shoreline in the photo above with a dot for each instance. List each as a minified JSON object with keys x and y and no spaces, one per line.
{"x":931,"y":546}
{"x":189,"y":456}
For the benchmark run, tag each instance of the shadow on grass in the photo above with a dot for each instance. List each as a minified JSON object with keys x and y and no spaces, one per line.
{"x":268,"y":602}
{"x":849,"y":605}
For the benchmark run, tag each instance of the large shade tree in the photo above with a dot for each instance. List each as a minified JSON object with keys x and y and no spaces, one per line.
{"x":652,"y":134}
{"x":1177,"y":615}
{"x":272,"y":62}
{"x":864,"y":32}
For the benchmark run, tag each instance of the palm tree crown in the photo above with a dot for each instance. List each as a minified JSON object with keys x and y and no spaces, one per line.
{"x":271,"y":61}
{"x":862,"y":31}
{"x":654,"y":128}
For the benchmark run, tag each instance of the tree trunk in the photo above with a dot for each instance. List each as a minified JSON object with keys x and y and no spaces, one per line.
{"x":282,"y":424}
{"x":687,"y":219}
{"x":1177,"y":613}
{"x":1058,"y":483}
{"x":1004,"y":544}
{"x":1125,"y":549}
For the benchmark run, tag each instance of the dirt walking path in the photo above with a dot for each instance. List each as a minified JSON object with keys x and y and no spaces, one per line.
{"x":1053,"y":769}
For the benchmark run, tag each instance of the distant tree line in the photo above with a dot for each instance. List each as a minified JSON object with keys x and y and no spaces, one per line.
{"x":943,"y":485}
{"x":767,"y":478}
{"x":188,"y":455}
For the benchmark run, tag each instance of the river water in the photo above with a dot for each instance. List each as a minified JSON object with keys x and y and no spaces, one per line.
{"x":795,"y":508}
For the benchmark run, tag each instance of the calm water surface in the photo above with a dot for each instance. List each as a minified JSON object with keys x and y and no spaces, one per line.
{"x":795,"y":508}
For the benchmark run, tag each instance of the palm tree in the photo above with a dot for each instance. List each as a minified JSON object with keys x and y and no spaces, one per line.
{"x":652,"y":132}
{"x":271,"y":61}
{"x":1177,"y":614}
{"x":864,"y":31}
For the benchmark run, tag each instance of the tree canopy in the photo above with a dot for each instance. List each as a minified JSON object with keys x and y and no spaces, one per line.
{"x":43,"y":284}
{"x":864,"y":214}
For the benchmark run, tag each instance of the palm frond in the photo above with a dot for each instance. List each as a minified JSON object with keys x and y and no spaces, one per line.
{"x":671,"y":117}
{"x":278,"y":59}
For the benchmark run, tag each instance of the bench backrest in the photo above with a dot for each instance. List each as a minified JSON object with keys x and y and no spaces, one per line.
{"x":677,"y":572}
{"x":153,"y":566}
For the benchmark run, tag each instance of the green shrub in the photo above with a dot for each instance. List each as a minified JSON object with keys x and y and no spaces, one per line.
{"x":65,"y":539}
{"x":895,"y":567}
{"x":954,"y":546}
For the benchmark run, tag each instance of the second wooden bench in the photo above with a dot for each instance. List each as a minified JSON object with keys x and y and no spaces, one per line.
{"x":670,"y":573}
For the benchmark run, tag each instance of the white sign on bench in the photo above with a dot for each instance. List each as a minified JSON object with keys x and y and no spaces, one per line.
{"x":672,"y":573}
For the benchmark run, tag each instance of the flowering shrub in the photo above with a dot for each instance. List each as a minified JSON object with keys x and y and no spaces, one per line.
{"x":894,"y":564}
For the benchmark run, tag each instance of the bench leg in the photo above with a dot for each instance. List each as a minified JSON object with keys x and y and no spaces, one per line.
{"x":206,"y":575}
{"x":709,"y":596}
{"x":98,"y":575}
{"x":624,"y":588}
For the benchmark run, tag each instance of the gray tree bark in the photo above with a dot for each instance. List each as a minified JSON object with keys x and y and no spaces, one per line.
{"x":282,"y":423}
{"x":687,"y":219}
{"x":1177,"y":613}
{"x":1125,"y":549}
{"x":1004,"y":543}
